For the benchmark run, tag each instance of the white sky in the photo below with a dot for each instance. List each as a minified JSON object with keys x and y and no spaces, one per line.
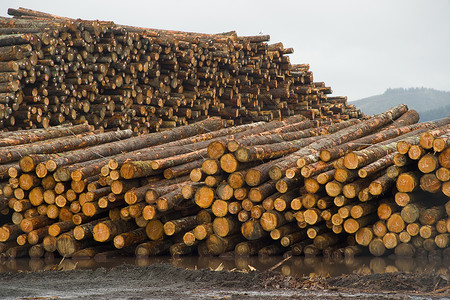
{"x":358,"y":47}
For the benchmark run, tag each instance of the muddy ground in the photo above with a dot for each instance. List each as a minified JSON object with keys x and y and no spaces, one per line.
{"x":165,"y":281}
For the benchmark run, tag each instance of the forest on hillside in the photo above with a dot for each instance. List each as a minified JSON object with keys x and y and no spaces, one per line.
{"x":430,"y":103}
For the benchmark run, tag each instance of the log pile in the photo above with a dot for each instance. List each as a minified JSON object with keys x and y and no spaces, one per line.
{"x":292,"y":187}
{"x":55,"y":70}
{"x":53,"y":181}
{"x":315,"y":180}
{"x":316,"y":196}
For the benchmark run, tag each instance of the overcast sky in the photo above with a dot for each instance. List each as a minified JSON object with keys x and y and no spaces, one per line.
{"x":359,"y":48}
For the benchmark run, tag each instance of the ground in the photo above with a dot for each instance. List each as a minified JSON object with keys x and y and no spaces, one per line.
{"x":165,"y":281}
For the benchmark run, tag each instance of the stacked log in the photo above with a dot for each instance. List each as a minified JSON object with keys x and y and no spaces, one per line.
{"x":55,"y":70}
{"x":423,"y":192}
{"x":205,"y":189}
{"x":282,"y":192}
{"x":51,"y":181}
{"x":63,"y":187}
{"x":316,"y":179}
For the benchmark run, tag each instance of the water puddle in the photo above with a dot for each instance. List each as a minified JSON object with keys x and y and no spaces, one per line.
{"x":299,"y":266}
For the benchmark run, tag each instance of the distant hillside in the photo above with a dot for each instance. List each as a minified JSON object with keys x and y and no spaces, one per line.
{"x":431,"y":104}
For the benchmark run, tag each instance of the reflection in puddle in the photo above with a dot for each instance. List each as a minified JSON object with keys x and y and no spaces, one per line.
{"x":299,"y":266}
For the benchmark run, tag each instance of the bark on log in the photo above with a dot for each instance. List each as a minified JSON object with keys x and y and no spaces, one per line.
{"x":107,"y":230}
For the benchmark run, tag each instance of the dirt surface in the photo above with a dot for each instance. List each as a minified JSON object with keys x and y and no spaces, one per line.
{"x":165,"y":281}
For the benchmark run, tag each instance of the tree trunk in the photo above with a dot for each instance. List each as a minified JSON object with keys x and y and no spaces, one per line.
{"x":429,"y":183}
{"x":218,"y":245}
{"x":153,"y":248}
{"x":180,"y":225}
{"x":258,"y":194}
{"x":381,"y":185}
{"x":261,"y":173}
{"x":408,"y":182}
{"x":403,"y":146}
{"x":441,"y":143}
{"x":86,"y":231}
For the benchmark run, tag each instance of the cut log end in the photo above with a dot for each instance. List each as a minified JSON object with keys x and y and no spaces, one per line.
{"x":162,"y":204}
{"x":301,"y":162}
{"x":430,"y":183}
{"x":189,"y":238}
{"x":395,"y":223}
{"x":169,"y":228}
{"x":282,"y":186}
{"x":252,"y":230}
{"x":253,"y":177}
{"x":232,"y":146}
{"x":77,"y":175}
{"x":364,"y":236}
{"x":149,"y":212}
{"x":415,"y":152}
{"x":102,"y":232}
{"x":351,"y":226}
{"x":89,"y":209}
{"x":351,"y":161}
{"x":210,"y":167}
{"x":428,"y":163}
{"x":255,"y":195}
{"x":333,"y":188}
{"x":377,"y":248}
{"x":311,"y":216}
{"x":220,"y":208}
{"x":216,"y":149}
{"x":204,"y":197}
{"x":236,"y":180}
{"x":27,"y":164}
{"x":196,"y":175}
{"x":51,"y":165}
{"x":269,"y":221}
{"x":127,"y":171}
{"x":119,"y":242}
{"x":130,"y":197}
{"x":154,"y":230}
{"x":229,"y":163}
{"x":390,"y":240}
{"x":275,"y":173}
{"x":439,"y":145}
{"x":325,"y":155}
{"x":66,"y":245}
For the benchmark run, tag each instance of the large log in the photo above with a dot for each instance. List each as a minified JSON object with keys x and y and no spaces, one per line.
{"x":107,"y":230}
{"x":274,"y":148}
{"x":311,"y":153}
{"x":31,"y":136}
{"x":358,"y":159}
{"x":358,"y":144}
